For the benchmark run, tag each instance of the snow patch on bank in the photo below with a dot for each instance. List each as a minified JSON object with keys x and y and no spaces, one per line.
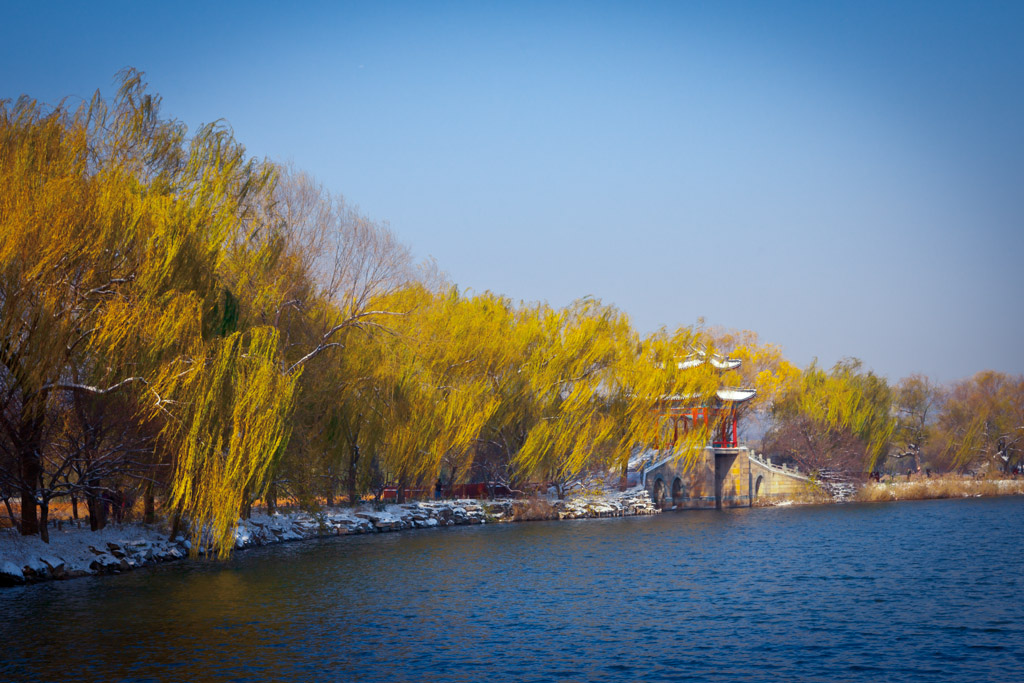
{"x":75,"y":551}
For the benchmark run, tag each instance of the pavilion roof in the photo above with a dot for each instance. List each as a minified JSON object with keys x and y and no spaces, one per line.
{"x":700,"y":357}
{"x":729,"y":395}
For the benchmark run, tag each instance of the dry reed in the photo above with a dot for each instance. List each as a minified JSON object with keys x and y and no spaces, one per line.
{"x":946,"y":486}
{"x":533,"y":509}
{"x":812,"y":494}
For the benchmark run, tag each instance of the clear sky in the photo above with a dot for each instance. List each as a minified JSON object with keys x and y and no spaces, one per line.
{"x":845,"y":178}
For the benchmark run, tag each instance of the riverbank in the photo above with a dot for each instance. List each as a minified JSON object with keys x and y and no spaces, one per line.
{"x":938,"y":487}
{"x":75,"y":552}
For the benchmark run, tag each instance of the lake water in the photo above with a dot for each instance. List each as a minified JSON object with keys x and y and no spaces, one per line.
{"x":897,"y":592}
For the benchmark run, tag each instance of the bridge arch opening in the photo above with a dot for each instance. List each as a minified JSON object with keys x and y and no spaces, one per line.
{"x":659,"y":493}
{"x":757,"y":486}
{"x":677,"y":491}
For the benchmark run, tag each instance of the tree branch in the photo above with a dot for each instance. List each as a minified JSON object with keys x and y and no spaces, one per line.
{"x":88,"y":388}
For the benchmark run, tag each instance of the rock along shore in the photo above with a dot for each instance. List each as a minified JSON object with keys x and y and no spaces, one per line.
{"x":75,"y":552}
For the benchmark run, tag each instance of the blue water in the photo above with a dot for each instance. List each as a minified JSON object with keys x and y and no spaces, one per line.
{"x":924,"y":591}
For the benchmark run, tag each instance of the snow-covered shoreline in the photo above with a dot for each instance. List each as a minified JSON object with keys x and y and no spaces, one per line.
{"x":75,"y":552}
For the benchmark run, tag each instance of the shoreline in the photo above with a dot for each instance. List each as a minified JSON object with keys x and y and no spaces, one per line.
{"x":938,"y":487}
{"x":78,"y":552}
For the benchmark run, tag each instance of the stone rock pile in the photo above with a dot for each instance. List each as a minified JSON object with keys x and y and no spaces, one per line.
{"x":841,"y":486}
{"x":635,"y":501}
{"x":264,"y":529}
{"x":99,"y":558}
{"x":83,"y":553}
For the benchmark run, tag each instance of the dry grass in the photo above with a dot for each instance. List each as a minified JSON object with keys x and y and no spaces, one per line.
{"x":812,"y":494}
{"x":62,"y":511}
{"x":946,"y":486}
{"x":59,"y":510}
{"x":533,"y":509}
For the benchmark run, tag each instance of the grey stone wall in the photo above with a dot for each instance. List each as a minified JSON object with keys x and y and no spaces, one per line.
{"x":770,"y":481}
{"x":707,"y":480}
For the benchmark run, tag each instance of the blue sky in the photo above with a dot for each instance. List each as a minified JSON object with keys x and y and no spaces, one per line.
{"x":844,"y":178}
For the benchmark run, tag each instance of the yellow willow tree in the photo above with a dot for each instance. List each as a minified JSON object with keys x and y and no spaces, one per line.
{"x":335,"y":271}
{"x":224,"y":398}
{"x":343,"y":404}
{"x":840,"y":419}
{"x":596,"y":392}
{"x":76,"y":219}
{"x":432,"y":388}
{"x":763,"y":367}
{"x":668,"y":373}
{"x":570,"y":391}
{"x":442,"y":365}
{"x":232,"y":420}
{"x":572,"y":353}
{"x":982,"y":422}
{"x":117,"y":239}
{"x":348,"y":424}
{"x":509,"y":337}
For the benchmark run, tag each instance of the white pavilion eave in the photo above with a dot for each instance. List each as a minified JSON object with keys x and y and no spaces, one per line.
{"x":715,"y":361}
{"x":731,"y":395}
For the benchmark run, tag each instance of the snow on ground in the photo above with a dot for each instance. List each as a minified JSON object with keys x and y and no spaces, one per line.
{"x":75,"y":551}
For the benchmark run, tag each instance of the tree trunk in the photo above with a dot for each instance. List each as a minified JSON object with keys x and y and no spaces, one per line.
{"x":148,"y":504}
{"x":400,"y":492}
{"x":272,"y":499}
{"x":74,"y":506}
{"x":329,"y":492}
{"x":175,"y":525}
{"x":245,"y":512}
{"x":97,"y":505}
{"x":30,"y":472}
{"x":353,"y":470}
{"x":44,"y":514}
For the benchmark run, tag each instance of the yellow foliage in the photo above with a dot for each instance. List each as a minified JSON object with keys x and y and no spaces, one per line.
{"x":235,"y":302}
{"x":233,"y":417}
{"x":844,"y":399}
{"x":763,"y":367}
{"x":118,"y":240}
{"x":982,"y":421}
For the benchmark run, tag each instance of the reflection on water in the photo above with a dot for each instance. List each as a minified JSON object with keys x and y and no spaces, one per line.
{"x":909,"y":591}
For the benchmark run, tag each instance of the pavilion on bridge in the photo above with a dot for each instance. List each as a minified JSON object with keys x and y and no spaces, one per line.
{"x":719,"y":475}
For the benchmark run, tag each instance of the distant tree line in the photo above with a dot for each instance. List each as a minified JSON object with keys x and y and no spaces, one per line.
{"x":188,"y":327}
{"x":850,"y":419}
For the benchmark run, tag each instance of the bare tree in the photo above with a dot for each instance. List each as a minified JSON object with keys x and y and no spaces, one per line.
{"x":814,"y":446}
{"x":916,"y":402}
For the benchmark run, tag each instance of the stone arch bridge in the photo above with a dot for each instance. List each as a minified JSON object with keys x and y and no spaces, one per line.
{"x":718,"y":478}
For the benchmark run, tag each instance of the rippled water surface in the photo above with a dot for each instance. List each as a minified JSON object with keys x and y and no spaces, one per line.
{"x":898,"y":592}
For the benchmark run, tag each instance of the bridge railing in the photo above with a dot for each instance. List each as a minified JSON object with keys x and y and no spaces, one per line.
{"x":784,"y":468}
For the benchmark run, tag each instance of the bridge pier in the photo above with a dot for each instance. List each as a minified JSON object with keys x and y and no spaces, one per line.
{"x":717,"y":478}
{"x":713,"y":478}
